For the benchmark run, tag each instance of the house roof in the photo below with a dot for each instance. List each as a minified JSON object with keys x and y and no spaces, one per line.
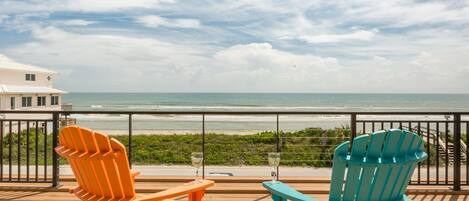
{"x":17,"y":89}
{"x":7,"y":63}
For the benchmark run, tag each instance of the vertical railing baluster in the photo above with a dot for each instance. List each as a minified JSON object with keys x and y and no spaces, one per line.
{"x":45,"y":150}
{"x":428,"y":151}
{"x":400,"y":125}
{"x":391,"y":125}
{"x":10,"y":142}
{"x":278,"y":142}
{"x":36,"y":149}
{"x":418,"y":170}
{"x":446,"y":153}
{"x":1,"y":150}
{"x":55,"y":157}
{"x":353,"y":128}
{"x":457,"y":152}
{"x":467,"y":152}
{"x":18,"y":138}
{"x":437,"y":153}
{"x":382,"y":125}
{"x":364,"y":127}
{"x":129,"y":155}
{"x":203,"y":146}
{"x":372,"y":126}
{"x":27,"y":150}
{"x":409,"y":124}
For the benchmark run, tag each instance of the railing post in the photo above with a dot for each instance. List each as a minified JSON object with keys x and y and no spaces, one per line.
{"x":55,"y":157}
{"x":457,"y":153}
{"x":130,"y":141}
{"x":353,"y":127}
{"x":203,"y":146}
{"x":278,"y":143}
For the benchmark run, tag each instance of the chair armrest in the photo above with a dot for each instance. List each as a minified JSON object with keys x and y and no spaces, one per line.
{"x":187,"y":188}
{"x":284,"y":191}
{"x":134,"y":173}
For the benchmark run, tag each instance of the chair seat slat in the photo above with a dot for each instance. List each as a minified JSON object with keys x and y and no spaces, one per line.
{"x":373,"y":154}
{"x":354,"y":170}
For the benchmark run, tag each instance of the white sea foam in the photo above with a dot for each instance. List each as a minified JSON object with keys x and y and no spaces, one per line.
{"x":251,"y":118}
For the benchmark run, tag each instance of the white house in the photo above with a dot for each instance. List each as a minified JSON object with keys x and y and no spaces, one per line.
{"x":27,"y":87}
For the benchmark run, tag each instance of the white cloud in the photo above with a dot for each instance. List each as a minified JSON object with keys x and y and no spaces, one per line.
{"x":260,"y":66}
{"x":407,"y":13}
{"x":106,"y":57}
{"x":97,"y":6}
{"x":424,"y":59}
{"x":155,"y":21}
{"x":13,"y":6}
{"x":135,"y":63}
{"x":241,"y":45}
{"x":145,"y":64}
{"x":76,"y":22}
{"x":381,"y":60}
{"x":360,"y":35}
{"x":263,"y":55}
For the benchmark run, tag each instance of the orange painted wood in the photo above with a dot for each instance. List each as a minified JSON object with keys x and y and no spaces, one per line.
{"x":195,"y":190}
{"x":102,"y":169}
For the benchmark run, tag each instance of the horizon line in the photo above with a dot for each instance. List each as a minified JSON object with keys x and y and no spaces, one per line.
{"x":267,"y":92}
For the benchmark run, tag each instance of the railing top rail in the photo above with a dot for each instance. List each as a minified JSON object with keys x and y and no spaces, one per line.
{"x":238,"y":112}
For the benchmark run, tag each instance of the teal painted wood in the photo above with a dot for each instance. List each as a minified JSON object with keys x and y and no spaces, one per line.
{"x":277,"y":198}
{"x":373,"y":153}
{"x":353,"y":174}
{"x":338,"y":171}
{"x":393,"y":172}
{"x":382,"y":172}
{"x":418,"y":151}
{"x":379,"y":167}
{"x":282,"y":192}
{"x":406,"y":168}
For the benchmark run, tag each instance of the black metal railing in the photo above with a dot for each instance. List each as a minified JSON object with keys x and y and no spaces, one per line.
{"x":36,"y":137}
{"x":24,"y":144}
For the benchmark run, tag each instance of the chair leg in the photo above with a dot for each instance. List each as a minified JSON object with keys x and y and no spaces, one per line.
{"x":196,"y":196}
{"x":277,"y":198}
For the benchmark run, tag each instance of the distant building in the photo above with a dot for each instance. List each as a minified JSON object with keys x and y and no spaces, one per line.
{"x":27,"y":87}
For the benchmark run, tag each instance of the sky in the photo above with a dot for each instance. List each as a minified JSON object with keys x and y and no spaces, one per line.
{"x":314,"y":46}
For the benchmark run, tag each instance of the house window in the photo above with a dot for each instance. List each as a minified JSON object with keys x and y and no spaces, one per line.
{"x":54,"y":100}
{"x":12,"y":103}
{"x":30,"y":77}
{"x":41,"y":101}
{"x":26,"y":101}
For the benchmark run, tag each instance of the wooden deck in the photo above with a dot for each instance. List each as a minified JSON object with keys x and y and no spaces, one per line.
{"x":226,"y":188}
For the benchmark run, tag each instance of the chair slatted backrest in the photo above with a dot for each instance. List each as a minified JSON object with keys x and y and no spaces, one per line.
{"x":379,"y":166}
{"x":99,"y":164}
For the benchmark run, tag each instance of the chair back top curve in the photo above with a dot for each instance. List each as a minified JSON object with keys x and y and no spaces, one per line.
{"x":378,"y":166}
{"x":99,"y":164}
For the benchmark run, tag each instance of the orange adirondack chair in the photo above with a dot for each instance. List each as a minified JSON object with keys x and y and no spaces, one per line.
{"x":102,"y":170}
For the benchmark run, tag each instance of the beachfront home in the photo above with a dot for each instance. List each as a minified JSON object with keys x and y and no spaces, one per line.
{"x":27,"y":87}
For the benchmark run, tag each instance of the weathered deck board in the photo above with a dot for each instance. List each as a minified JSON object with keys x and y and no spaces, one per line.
{"x":226,"y":188}
{"x":63,"y":196}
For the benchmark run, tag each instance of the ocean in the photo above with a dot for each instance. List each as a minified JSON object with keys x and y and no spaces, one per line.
{"x":268,"y":101}
{"x":168,"y":124}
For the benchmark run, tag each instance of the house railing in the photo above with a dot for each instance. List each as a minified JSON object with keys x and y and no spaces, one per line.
{"x":27,"y":142}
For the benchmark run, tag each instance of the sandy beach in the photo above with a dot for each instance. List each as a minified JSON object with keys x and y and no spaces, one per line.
{"x":237,"y":125}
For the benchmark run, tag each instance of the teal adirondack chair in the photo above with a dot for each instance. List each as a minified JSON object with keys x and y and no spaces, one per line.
{"x":379,"y":168}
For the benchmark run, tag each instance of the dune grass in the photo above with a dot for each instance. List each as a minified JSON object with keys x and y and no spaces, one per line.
{"x":308,"y":147}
